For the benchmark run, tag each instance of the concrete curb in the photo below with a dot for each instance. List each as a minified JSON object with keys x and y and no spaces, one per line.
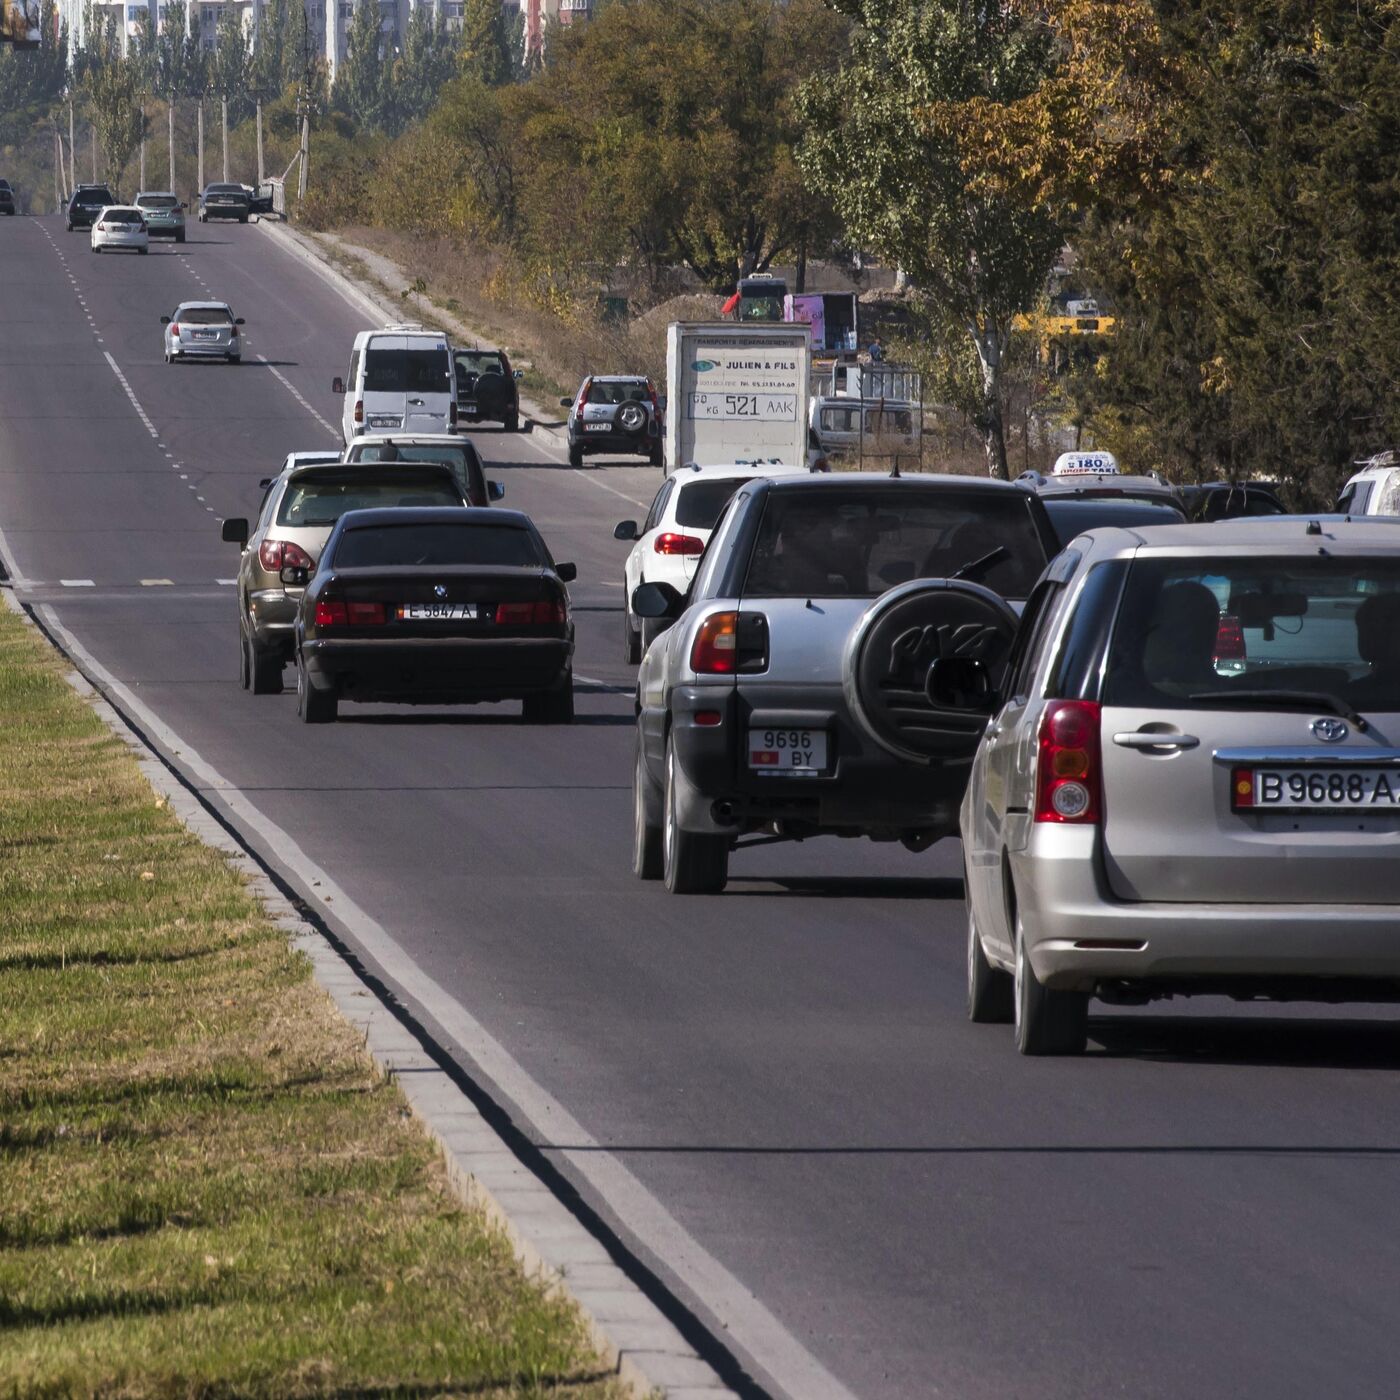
{"x":623,"y":1324}
{"x":373,"y":302}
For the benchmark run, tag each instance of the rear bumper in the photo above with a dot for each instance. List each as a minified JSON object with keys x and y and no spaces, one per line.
{"x":225,"y":211}
{"x":195,"y":350}
{"x":442,"y":670}
{"x":864,"y":790}
{"x":1064,"y":902}
{"x":273,"y":613}
{"x":615,"y":440}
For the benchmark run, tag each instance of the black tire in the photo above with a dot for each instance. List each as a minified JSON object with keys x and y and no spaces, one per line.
{"x":235,"y":359}
{"x":512,"y":422}
{"x":180,"y":237}
{"x":314,"y":706}
{"x":551,"y":706}
{"x":264,"y":668}
{"x":692,"y":862}
{"x":1048,"y":1021}
{"x":656,"y":457}
{"x":631,"y":639}
{"x":242,"y":218}
{"x":70,"y":228}
{"x":575,"y":455}
{"x":245,"y":667}
{"x":991,"y":993}
{"x":143,"y":251}
{"x":647,"y":856}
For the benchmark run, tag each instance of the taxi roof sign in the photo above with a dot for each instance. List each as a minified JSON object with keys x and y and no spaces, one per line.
{"x":1086,"y":464}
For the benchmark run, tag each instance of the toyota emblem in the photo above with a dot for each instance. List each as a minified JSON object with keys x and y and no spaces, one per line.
{"x":1330,"y":730}
{"x":441,"y":591}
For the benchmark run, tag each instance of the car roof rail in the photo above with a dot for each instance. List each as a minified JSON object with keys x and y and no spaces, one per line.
{"x":403,"y":326}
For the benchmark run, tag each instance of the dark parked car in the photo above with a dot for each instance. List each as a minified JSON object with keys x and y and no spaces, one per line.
{"x":87,"y":203}
{"x":436,"y":607}
{"x":259,"y":198}
{"x":7,"y":197}
{"x":1230,"y":500}
{"x":1072,"y":515}
{"x":487,"y":388}
{"x":220,"y":201}
{"x":820,"y":675}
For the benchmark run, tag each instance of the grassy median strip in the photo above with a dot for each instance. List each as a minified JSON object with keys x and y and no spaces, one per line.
{"x":205,"y":1189}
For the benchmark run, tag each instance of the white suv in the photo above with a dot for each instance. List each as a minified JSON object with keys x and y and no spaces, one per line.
{"x":670,"y":541}
{"x":401,"y":379}
{"x":1375,"y":489}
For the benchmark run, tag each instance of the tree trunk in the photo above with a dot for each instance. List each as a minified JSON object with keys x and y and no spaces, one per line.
{"x":223,"y":117}
{"x":993,"y":424}
{"x":199,"y":125}
{"x":94,"y":154}
{"x":261,"y":176}
{"x":800,"y":279}
{"x":72,"y":152}
{"x":142,"y":181}
{"x":170,"y":129}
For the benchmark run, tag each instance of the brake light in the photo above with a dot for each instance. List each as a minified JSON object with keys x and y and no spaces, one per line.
{"x":359,"y":410}
{"x":541,"y":614}
{"x":275,"y":555}
{"x":1069,"y":779}
{"x":670,"y":543}
{"x":713,"y":651}
{"x":331,"y":613}
{"x":101,"y":226}
{"x":364,"y":614}
{"x":174,"y":328}
{"x":1229,"y":640}
{"x":584,"y":392}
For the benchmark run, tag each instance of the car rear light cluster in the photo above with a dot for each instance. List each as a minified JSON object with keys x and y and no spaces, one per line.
{"x":334,"y":612}
{"x":1069,"y":777}
{"x":543,"y":614}
{"x":276,"y":555}
{"x":359,"y":410}
{"x":671,"y":543}
{"x":730,"y":643}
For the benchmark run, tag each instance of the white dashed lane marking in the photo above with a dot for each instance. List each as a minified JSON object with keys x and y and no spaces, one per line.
{"x":157,"y":583}
{"x":77,"y":583}
{"x":298,"y":396}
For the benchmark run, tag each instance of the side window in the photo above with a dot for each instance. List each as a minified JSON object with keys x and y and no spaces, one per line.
{"x":658,"y":505}
{"x":701,"y":585}
{"x":352,"y":380}
{"x":1388,"y":502}
{"x":269,"y":504}
{"x":1020,"y":665}
{"x":1078,"y":668}
{"x":1354,"y":498}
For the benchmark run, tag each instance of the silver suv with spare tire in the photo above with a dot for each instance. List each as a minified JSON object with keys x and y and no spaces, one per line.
{"x":815,"y":679}
{"x":614,"y":414}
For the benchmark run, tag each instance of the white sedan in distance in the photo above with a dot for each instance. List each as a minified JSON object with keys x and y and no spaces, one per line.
{"x":120,"y":226}
{"x":669,"y":542}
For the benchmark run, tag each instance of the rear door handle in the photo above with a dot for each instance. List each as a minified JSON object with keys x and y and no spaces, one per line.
{"x":1136,"y":739}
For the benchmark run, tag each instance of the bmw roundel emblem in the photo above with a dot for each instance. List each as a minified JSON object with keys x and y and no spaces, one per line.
{"x":1330,"y":730}
{"x":441,"y":591}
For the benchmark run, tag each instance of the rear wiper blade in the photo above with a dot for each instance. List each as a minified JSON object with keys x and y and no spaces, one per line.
{"x":1290,"y":700}
{"x":976,"y":566}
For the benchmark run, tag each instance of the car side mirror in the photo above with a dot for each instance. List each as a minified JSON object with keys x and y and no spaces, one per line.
{"x":625,"y":530}
{"x":519,"y":375}
{"x":960,"y":683}
{"x":337,"y":385}
{"x":264,"y":482}
{"x":182,"y":207}
{"x":165,"y":320}
{"x":567,"y":572}
{"x":239,"y":321}
{"x":656,"y":600}
{"x":235,"y":531}
{"x":496,"y":490}
{"x":566,"y":403}
{"x":290,"y":573}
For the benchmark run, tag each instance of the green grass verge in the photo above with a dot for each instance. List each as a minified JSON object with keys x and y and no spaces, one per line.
{"x":205,"y":1188}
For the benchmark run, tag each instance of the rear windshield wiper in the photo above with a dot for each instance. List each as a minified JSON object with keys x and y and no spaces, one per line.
{"x":973,"y":567}
{"x":1290,"y":700}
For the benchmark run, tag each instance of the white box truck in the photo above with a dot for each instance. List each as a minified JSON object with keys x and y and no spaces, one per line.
{"x":737,"y":393}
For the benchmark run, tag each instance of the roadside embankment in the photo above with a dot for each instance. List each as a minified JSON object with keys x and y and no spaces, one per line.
{"x":205,"y":1185}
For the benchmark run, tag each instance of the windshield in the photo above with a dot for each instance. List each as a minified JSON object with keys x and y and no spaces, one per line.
{"x":1192,"y":627}
{"x":123,"y":216}
{"x":699,"y":504}
{"x":479,"y":362}
{"x":308,"y":503}
{"x":407,"y":371}
{"x":392,"y":546}
{"x":157,"y":201}
{"x":204,"y":315}
{"x":859,"y":542}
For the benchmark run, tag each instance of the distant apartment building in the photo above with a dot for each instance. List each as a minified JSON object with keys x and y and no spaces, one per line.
{"x":540,"y":13}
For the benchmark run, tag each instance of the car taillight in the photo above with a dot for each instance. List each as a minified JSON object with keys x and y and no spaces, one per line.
{"x":174,"y":328}
{"x":364,"y":614}
{"x":275,"y":555}
{"x":530,"y":614}
{"x":331,"y":613}
{"x":670,"y":543}
{"x":1069,"y":780}
{"x":583,"y":394}
{"x":1229,"y":640}
{"x":359,"y":410}
{"x":730,"y":643}
{"x":101,"y":226}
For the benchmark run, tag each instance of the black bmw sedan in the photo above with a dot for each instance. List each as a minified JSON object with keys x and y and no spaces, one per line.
{"x":436,"y":606}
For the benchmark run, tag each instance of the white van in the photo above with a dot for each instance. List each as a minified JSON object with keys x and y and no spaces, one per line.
{"x":401,"y":379}
{"x":1375,"y":489}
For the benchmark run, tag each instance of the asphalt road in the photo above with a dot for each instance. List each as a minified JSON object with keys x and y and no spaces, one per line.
{"x":1204,"y":1205}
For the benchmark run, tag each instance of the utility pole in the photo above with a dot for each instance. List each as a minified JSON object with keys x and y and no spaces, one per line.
{"x":257,"y":109}
{"x":57,"y":167}
{"x":72,"y":151}
{"x":200,"y":128}
{"x":94,"y":154}
{"x":170,"y":129}
{"x":143,"y":161}
{"x":223,"y":117}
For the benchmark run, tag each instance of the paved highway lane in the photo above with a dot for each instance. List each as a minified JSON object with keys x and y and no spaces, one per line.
{"x":1200,"y":1205}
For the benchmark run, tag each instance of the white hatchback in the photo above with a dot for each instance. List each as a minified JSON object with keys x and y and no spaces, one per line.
{"x":669,"y":542}
{"x":120,"y":226}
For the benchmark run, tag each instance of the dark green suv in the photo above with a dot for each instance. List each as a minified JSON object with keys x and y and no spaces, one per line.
{"x":87,"y":203}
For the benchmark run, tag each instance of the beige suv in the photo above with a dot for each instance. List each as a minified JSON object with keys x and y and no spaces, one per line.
{"x":300,"y":509}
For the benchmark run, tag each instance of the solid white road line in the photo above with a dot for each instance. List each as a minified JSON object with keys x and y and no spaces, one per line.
{"x":742,"y":1317}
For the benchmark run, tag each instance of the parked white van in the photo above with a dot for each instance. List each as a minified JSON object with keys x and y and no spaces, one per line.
{"x":401,"y":379}
{"x":1375,"y":489}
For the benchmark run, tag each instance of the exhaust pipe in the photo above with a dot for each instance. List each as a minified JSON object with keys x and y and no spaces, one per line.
{"x":725,"y":813}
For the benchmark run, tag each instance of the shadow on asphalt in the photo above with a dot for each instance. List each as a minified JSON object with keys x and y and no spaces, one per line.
{"x":853,"y":887}
{"x":1249,"y":1040}
{"x":491,"y":721}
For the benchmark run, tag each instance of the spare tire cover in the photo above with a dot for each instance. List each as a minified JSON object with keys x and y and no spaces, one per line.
{"x":631,"y":416}
{"x":490,"y":394}
{"x":894,"y":645}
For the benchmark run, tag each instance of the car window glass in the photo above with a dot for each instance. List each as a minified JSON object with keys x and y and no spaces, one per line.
{"x":205,"y":315}
{"x":699,"y":503}
{"x":1079,"y":663}
{"x":407,"y":371}
{"x":399,"y":546}
{"x":310,"y":503}
{"x":658,"y":505}
{"x":702,"y":584}
{"x":479,"y":362}
{"x":1020,"y":665}
{"x":1187,"y":628}
{"x":157,"y":201}
{"x":860,"y":541}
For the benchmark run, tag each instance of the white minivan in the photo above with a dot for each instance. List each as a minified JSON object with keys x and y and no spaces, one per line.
{"x":1375,"y":489}
{"x":401,"y":379}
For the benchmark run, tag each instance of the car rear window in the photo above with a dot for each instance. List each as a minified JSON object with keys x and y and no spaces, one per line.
{"x":205,"y":315}
{"x":97,"y":196}
{"x":449,"y":454}
{"x":1073,"y":517}
{"x":832,"y":543}
{"x":633,"y":392}
{"x":407,"y":371}
{"x":311,"y":502}
{"x":480,"y":362}
{"x":1192,"y":627}
{"x":393,"y":546}
{"x":123,"y":216}
{"x":157,"y":201}
{"x":699,"y":504}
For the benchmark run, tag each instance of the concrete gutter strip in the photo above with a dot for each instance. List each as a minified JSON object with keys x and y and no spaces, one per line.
{"x":627,"y":1329}
{"x":310,"y":248}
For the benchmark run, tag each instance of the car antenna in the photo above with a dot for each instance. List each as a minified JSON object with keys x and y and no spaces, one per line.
{"x":894,"y":473}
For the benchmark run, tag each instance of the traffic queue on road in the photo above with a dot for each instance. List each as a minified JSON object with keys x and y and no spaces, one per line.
{"x":1164,"y":725}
